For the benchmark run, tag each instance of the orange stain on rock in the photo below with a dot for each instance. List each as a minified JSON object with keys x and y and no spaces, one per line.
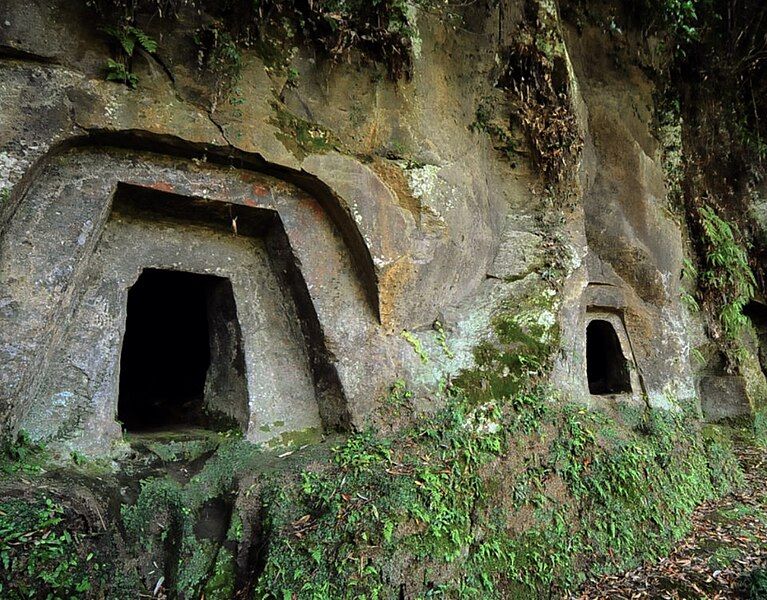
{"x":316,"y":209}
{"x":260,"y":190}
{"x":161,"y":186}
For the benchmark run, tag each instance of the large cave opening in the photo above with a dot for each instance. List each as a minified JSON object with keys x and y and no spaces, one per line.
{"x":181,"y":343}
{"x":606,"y":366}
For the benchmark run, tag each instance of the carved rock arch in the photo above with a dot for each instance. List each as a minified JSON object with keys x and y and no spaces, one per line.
{"x":54,"y":284}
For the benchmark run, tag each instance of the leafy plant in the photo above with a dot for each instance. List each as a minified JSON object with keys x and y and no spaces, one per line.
{"x":681,"y":20}
{"x":727,"y":272}
{"x":416,"y":345}
{"x":399,"y":396}
{"x":128,"y":38}
{"x":690,"y":302}
{"x":760,"y":427}
{"x":689,"y":272}
{"x":381,"y":30}
{"x":442,"y":339}
{"x":117,"y":71}
{"x":39,"y":554}
{"x":21,"y":455}
{"x":218,"y":51}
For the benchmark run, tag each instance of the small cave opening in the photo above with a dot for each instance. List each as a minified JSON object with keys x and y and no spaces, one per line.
{"x":181,"y":348}
{"x":606,"y":366}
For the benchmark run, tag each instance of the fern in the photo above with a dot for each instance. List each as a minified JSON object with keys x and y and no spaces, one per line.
{"x":689,"y":272}
{"x":727,"y":272}
{"x":129,"y":38}
{"x":117,"y":71}
{"x":690,"y":277}
{"x":143,"y":39}
{"x":690,"y":302}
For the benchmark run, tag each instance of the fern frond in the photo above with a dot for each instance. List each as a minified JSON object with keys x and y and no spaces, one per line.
{"x":146,"y":42}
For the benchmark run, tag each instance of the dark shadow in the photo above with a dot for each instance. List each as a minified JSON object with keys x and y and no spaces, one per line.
{"x":606,"y":367}
{"x":757,"y":313}
{"x":172,"y":343}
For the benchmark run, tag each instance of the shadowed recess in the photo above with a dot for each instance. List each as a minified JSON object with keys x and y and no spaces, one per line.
{"x":171,"y":350}
{"x":606,"y":366}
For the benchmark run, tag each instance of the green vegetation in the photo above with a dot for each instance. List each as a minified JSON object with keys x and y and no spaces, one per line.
{"x":680,"y":19}
{"x":167,"y":511}
{"x":218,"y":50}
{"x":416,"y":345}
{"x":756,"y":585}
{"x":40,"y":553}
{"x":511,"y":498}
{"x":760,"y":427}
{"x":727,"y":285}
{"x":128,"y":39}
{"x":442,"y":339}
{"x":21,"y":456}
{"x":187,"y":450}
{"x":727,"y":273}
{"x":300,"y":136}
{"x":689,"y":278}
{"x":504,"y":492}
{"x":382,"y":31}
{"x":598,"y":495}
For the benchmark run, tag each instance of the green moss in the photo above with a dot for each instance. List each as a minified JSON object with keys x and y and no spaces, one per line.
{"x":220,"y":585}
{"x":185,"y":449}
{"x":525,"y":335}
{"x":296,"y":439}
{"x":267,"y":427}
{"x":162,"y":520}
{"x":300,"y":136}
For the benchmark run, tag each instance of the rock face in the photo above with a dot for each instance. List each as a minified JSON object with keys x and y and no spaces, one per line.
{"x":67,"y":289}
{"x":395,"y":214}
{"x":427,"y":271}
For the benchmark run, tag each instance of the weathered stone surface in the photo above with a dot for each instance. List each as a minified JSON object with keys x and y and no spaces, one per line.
{"x":723,"y":397}
{"x":362,"y":235}
{"x":634,"y":250}
{"x":409,"y":216}
{"x":68,"y":258}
